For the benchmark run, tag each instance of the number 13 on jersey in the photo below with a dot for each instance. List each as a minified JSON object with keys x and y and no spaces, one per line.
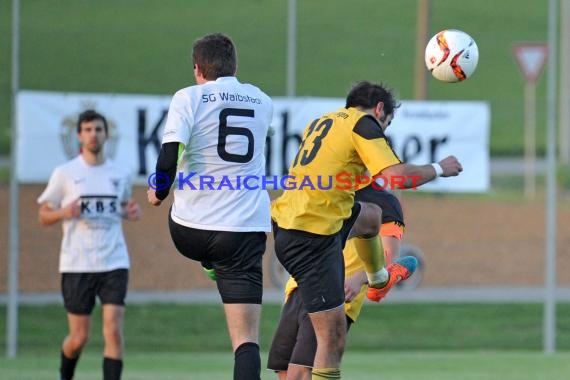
{"x":312,"y":142}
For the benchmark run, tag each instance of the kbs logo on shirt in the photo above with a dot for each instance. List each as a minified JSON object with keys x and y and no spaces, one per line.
{"x":100,"y":206}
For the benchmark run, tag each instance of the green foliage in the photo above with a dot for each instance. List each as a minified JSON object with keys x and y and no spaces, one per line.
{"x":144,"y":47}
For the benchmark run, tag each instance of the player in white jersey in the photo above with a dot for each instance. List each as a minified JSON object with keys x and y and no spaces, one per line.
{"x":91,"y":195}
{"x":213,"y":145}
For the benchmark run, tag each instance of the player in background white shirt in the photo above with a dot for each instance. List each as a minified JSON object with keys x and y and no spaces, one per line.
{"x":91,"y":195}
{"x":215,"y":132}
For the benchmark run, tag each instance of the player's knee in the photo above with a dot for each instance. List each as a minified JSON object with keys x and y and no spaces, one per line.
{"x":335,"y":338}
{"x":78,"y":341}
{"x":113,"y":335}
{"x":374,"y":218}
{"x":369,"y":220}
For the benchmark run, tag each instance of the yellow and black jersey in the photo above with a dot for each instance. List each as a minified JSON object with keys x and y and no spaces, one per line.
{"x":335,"y":149}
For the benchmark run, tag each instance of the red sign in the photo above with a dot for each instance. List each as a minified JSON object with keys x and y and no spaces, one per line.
{"x":531,"y":57}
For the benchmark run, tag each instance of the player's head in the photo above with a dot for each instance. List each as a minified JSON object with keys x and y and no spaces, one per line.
{"x":367,"y":95}
{"x":90,"y":115}
{"x":215,"y":56}
{"x":92,"y":131}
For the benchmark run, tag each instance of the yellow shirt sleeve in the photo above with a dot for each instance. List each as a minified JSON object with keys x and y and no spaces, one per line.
{"x":372,"y":146}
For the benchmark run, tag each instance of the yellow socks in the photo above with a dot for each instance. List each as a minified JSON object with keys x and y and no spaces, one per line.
{"x":325,"y":373}
{"x":371,"y":253}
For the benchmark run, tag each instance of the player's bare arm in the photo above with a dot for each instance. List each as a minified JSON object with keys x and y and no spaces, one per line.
{"x":417,"y":175}
{"x":48,"y":215}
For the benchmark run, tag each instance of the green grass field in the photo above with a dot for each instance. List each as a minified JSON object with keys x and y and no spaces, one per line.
{"x":144,"y":47}
{"x":393,"y":341}
{"x":488,"y":365}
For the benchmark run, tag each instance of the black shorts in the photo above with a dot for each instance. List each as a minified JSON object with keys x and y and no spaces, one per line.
{"x":390,"y":205}
{"x":316,"y":263}
{"x":294,"y":341}
{"x":235,"y":256}
{"x":79,"y":290}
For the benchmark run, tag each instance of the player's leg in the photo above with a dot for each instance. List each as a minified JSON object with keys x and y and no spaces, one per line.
{"x":392,"y":230}
{"x":294,"y":344}
{"x":242,"y":320}
{"x":243,"y":326}
{"x":79,"y":300}
{"x":73,"y":344}
{"x":288,"y":336}
{"x":236,"y":258}
{"x":320,"y":373}
{"x":368,"y":221}
{"x":401,"y":268}
{"x":391,"y":249}
{"x":316,"y":263}
{"x":297,"y":372}
{"x":113,"y":317}
{"x":112,"y":290}
{"x":368,"y":244}
{"x":330,"y":330}
{"x":78,"y":335}
{"x":391,"y":234}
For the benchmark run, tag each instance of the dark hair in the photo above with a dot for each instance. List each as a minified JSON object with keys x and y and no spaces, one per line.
{"x":366,"y":95}
{"x":90,"y":115}
{"x":216,"y":55}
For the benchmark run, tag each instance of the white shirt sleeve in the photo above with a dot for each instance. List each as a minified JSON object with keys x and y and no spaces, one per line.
{"x":53,"y":193}
{"x":179,"y":121}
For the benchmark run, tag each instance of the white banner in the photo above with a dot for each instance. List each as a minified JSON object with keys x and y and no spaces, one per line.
{"x":422,"y":132}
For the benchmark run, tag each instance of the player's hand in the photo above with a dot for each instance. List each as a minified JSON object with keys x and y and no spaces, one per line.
{"x":132,"y":210}
{"x":151,"y":196}
{"x":353,"y":284}
{"x":451,"y":166}
{"x":72,"y":210}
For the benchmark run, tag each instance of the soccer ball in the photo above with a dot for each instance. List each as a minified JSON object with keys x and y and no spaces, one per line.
{"x":451,"y":55}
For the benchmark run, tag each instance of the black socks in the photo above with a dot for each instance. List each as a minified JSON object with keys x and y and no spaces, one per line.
{"x":67,"y":367}
{"x":112,"y":369}
{"x":247,"y":365}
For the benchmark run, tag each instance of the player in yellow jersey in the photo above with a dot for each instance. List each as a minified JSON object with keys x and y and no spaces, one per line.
{"x":293,"y":348}
{"x":311,"y":225}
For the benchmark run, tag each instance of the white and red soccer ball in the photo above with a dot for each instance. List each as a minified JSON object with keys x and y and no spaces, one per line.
{"x":451,"y":55}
